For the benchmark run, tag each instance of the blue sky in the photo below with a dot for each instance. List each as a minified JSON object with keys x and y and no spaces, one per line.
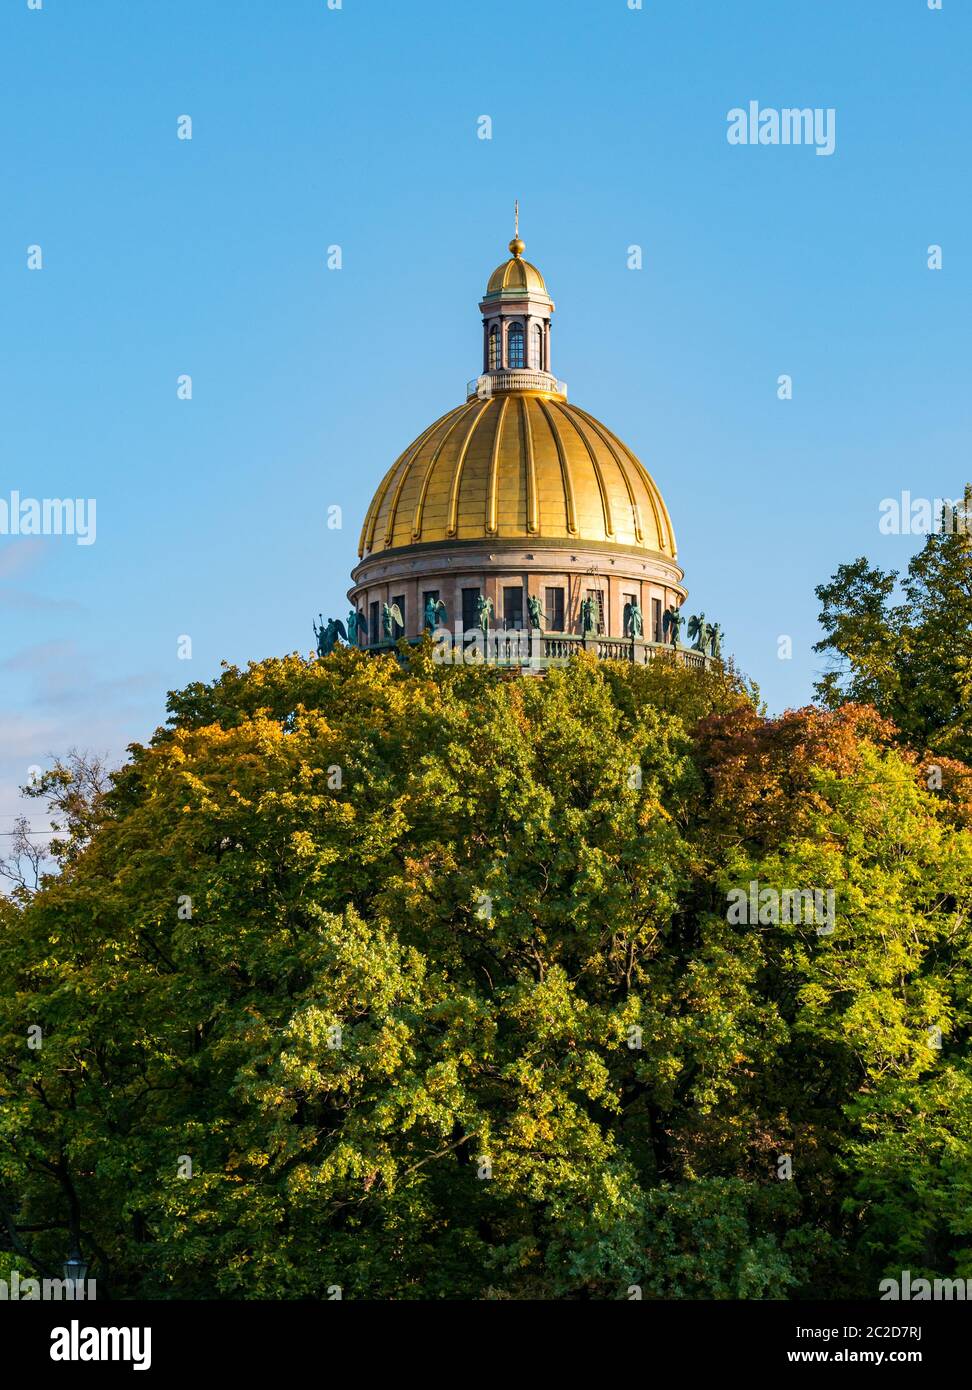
{"x":358,"y":127}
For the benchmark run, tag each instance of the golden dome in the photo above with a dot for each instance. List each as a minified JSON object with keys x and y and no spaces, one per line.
{"x":516,"y":274}
{"x":518,"y":465}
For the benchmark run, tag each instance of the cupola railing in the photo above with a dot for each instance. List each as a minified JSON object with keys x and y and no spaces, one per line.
{"x":493,"y":383}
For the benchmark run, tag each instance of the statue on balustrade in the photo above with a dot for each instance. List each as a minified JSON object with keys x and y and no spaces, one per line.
{"x":391,"y":617}
{"x":697,"y":628}
{"x":328,"y":635}
{"x":673,"y":624}
{"x":435,"y":613}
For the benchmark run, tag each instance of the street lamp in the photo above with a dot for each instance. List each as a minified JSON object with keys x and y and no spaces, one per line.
{"x":75,"y":1268}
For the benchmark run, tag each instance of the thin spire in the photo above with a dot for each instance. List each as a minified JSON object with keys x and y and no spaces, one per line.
{"x":517,"y":247}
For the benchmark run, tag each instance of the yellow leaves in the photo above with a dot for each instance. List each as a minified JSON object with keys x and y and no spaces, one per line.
{"x":303,"y":844}
{"x":253,"y":1159}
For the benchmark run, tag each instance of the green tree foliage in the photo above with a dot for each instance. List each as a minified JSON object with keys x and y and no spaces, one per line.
{"x":911,"y":659}
{"x":429,"y":976}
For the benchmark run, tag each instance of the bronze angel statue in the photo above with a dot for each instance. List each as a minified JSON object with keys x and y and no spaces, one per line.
{"x":355,"y":626}
{"x":537,"y":616}
{"x":435,"y":613}
{"x":391,"y":617}
{"x":327,"y":635}
{"x":634,"y":622}
{"x":484,"y":609}
{"x":673,"y":624}
{"x":716,"y":635}
{"x":698,"y":628}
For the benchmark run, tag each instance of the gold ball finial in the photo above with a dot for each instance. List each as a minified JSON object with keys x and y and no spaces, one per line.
{"x":517,"y":247}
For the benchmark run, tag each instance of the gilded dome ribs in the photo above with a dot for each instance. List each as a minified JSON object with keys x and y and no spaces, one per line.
{"x":367,"y":541}
{"x":456,"y":417}
{"x":491,"y":523}
{"x":510,"y":484}
{"x":665,"y":539}
{"x":393,"y":506}
{"x":530,"y":463}
{"x":565,"y":473}
{"x":516,"y":274}
{"x":605,"y":500}
{"x":666,"y":536}
{"x":608,"y":440}
{"x":453,"y":525}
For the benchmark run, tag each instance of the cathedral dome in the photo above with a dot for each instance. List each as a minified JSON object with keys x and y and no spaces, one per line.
{"x":518,"y":465}
{"x":519,"y":512}
{"x":516,"y":274}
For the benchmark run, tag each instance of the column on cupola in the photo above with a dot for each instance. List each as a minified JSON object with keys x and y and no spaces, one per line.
{"x":517,"y":297}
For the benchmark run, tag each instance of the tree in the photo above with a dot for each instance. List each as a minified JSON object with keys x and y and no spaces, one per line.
{"x":420,"y":983}
{"x":72,"y":790}
{"x":24,"y":863}
{"x":912,"y":660}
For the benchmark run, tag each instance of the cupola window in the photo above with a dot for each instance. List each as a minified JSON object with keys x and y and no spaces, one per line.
{"x":494,"y":348}
{"x":536,"y":348}
{"x":516,"y":346}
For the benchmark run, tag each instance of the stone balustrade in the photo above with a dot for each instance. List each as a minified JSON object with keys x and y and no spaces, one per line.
{"x":514,"y":379}
{"x":538,"y":650}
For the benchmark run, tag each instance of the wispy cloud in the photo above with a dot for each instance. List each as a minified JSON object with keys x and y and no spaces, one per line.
{"x":17,"y":557}
{"x":64,"y":674}
{"x":20,"y":554}
{"x":24,"y":601}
